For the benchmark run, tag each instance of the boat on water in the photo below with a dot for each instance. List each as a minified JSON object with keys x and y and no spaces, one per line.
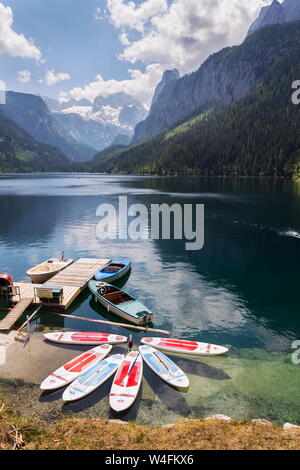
{"x":6,"y":287}
{"x":114,"y":270}
{"x":44,"y":271}
{"x":120,"y":303}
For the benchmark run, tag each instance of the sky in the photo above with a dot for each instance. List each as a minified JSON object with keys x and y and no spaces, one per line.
{"x":84,"y":48}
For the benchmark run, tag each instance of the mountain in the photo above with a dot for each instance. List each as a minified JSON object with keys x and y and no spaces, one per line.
{"x":291,"y":10}
{"x":31,"y":113}
{"x":168,"y":76}
{"x":275,"y":13}
{"x":256,"y":135}
{"x":86,"y":131}
{"x":106,"y":158}
{"x":224,"y":78}
{"x":121,"y":139}
{"x":19,"y":152}
{"x":269,"y":15}
{"x":97,"y":124}
{"x":56,"y":105}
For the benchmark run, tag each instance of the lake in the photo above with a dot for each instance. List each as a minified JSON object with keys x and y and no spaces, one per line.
{"x":241,"y":290}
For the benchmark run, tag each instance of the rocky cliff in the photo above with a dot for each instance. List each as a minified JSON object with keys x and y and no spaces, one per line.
{"x":168,"y":76}
{"x":224,"y":78}
{"x":276,"y":13}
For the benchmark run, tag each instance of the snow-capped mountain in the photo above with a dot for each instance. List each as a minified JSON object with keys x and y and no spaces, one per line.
{"x":98,"y":124}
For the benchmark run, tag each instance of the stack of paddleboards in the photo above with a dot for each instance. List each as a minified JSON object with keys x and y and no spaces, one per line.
{"x":91,"y":369}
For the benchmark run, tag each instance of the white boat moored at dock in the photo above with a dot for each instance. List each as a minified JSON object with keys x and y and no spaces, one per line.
{"x":46,"y":270}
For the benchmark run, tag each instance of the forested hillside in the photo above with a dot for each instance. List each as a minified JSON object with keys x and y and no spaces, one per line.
{"x":19,"y":152}
{"x":256,"y":135}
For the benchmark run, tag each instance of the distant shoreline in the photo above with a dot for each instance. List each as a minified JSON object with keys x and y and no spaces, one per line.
{"x":151,"y":175}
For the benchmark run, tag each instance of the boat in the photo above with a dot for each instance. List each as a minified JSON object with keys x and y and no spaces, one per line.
{"x":7,"y":290}
{"x":74,"y":368}
{"x":113,"y":270}
{"x":84,"y":338}
{"x":93,"y":378}
{"x":127,"y":382}
{"x":162,"y":365}
{"x":181,"y":346}
{"x":44,"y":271}
{"x":6,"y":280}
{"x":120,"y":303}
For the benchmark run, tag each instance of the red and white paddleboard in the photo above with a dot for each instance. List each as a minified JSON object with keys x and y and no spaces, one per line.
{"x":127,"y":382}
{"x":181,"y":346}
{"x":73,"y":369}
{"x":89,"y":338}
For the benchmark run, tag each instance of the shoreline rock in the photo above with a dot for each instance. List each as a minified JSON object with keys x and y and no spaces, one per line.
{"x":220,"y":417}
{"x":289,"y":426}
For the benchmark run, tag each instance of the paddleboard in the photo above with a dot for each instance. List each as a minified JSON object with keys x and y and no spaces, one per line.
{"x":185,"y":347}
{"x":127,"y":382}
{"x":73,"y":369}
{"x":92,"y":378}
{"x":88,"y":338}
{"x":166,"y":369}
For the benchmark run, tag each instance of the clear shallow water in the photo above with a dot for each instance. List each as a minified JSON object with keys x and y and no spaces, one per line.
{"x":241,"y":289}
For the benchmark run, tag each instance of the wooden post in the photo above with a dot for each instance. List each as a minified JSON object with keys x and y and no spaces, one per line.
{"x":29,"y":319}
{"x":106,"y":322}
{"x":28,"y":328}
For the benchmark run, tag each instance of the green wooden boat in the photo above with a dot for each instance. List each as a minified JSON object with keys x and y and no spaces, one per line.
{"x":120,"y":303}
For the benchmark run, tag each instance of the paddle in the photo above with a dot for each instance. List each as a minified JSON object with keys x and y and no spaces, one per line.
{"x":168,"y":369}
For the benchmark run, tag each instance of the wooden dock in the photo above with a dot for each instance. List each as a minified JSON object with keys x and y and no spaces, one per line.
{"x":15,"y":313}
{"x":27,"y":290}
{"x":78,"y":274}
{"x":72,"y":280}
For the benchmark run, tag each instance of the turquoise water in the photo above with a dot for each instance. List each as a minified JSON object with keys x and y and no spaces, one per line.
{"x":240,"y":290}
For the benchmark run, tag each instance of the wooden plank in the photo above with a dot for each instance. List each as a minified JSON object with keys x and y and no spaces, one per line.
{"x":69,"y":294}
{"x":79,"y":273}
{"x":15,"y":313}
{"x":73,"y":280}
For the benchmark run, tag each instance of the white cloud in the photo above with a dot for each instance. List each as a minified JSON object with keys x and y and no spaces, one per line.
{"x":123,"y":14}
{"x":179,"y":34}
{"x":124,"y":39}
{"x":98,"y":15}
{"x":188,"y":31}
{"x":139,"y":85}
{"x":24,"y":76}
{"x":13,"y":43}
{"x":52,"y":78}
